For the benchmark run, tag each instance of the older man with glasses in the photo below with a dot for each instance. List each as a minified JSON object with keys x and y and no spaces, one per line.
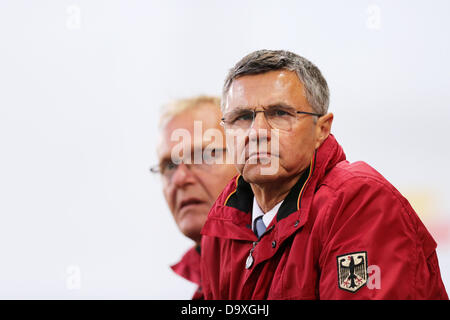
{"x":191,"y":185}
{"x":317,"y":226}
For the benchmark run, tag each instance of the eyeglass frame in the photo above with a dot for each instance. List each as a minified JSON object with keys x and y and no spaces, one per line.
{"x":254,"y":112}
{"x":156,"y":169}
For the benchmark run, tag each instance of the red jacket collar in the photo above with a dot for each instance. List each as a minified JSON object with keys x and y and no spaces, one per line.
{"x":230,"y":216}
{"x":189,"y":265}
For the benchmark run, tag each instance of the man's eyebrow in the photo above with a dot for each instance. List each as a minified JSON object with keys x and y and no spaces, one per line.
{"x":205,"y":146}
{"x":208,"y":147}
{"x":272,"y":105}
{"x":280,"y":104}
{"x":241,"y":108}
{"x":164,"y":160}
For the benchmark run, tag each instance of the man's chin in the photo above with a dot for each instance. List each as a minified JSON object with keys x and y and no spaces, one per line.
{"x":191,"y":225}
{"x":260,"y":174}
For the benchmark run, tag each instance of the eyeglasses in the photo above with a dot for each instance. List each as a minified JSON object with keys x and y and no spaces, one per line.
{"x":209,"y":157}
{"x":278,"y":117}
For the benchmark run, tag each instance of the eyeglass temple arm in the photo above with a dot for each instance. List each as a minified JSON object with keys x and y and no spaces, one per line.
{"x":222,"y":120}
{"x":310,"y":113}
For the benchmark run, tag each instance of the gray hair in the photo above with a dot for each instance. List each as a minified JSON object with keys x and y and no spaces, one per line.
{"x":261,"y":61}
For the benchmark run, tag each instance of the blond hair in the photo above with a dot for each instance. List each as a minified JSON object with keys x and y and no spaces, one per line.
{"x":178,"y":106}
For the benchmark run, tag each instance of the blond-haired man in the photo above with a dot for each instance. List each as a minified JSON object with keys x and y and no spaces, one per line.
{"x":191,"y":186}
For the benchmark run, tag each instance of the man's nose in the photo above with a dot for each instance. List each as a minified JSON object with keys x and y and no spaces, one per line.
{"x":260,"y":130}
{"x":182,"y":176}
{"x":260,"y":121}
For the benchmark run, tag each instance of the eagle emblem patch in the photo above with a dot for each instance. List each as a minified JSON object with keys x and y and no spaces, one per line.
{"x":352,"y":271}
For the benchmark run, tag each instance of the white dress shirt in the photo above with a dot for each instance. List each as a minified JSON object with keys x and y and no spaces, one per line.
{"x":267,"y":217}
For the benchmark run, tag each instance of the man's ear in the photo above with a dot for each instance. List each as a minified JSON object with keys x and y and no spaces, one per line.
{"x":323,"y":128}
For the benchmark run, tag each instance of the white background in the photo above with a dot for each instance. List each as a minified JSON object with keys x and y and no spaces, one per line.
{"x":81,"y":85}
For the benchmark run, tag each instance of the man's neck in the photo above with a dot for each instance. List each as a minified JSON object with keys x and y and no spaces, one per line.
{"x":270,"y":194}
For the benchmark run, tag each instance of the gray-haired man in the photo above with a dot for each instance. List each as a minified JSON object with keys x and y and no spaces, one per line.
{"x":318,"y":227}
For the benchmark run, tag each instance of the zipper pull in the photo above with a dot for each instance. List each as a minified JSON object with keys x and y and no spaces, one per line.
{"x":249,"y":262}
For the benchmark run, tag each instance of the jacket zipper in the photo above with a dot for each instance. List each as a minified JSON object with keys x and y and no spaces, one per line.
{"x":250,"y":259}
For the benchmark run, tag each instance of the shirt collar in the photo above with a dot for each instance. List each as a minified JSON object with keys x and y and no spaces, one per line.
{"x":267,"y":217}
{"x":241,"y":198}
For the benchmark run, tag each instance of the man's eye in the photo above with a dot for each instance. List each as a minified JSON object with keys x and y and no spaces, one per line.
{"x":208,"y":157}
{"x":244,"y":117}
{"x":217,"y":152}
{"x":280,"y":113}
{"x":168,"y":166}
{"x":211,"y":154}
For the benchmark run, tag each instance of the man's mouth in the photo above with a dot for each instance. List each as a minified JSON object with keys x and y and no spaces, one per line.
{"x":189,"y":202}
{"x":260,"y":154}
{"x":264,"y":156}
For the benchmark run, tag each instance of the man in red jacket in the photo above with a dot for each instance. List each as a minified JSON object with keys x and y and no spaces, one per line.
{"x":190,"y":188}
{"x":317,"y":227}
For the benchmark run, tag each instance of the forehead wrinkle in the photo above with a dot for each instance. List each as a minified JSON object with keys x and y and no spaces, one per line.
{"x":276,"y":85}
{"x":185,"y":121}
{"x":264,"y":106}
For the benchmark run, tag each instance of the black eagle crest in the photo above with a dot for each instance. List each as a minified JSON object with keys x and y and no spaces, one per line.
{"x":352,"y":271}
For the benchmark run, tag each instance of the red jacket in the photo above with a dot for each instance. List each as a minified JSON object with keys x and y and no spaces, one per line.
{"x":343,"y":232}
{"x":189,"y":268}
